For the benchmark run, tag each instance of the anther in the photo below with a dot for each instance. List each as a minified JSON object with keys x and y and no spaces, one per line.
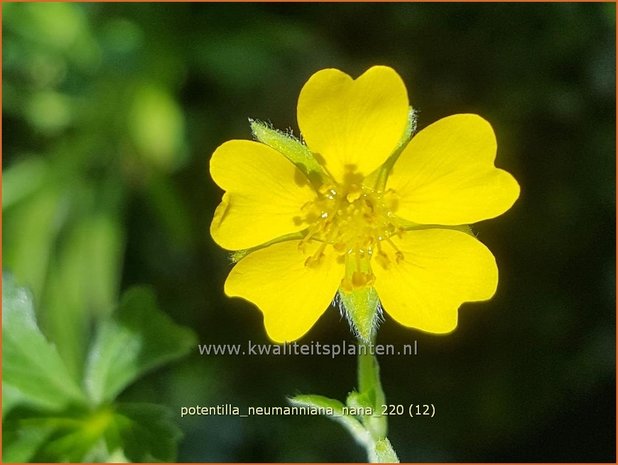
{"x":398,"y":253}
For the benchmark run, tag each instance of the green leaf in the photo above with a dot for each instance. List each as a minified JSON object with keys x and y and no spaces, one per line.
{"x":376,"y":424}
{"x":20,"y":445}
{"x":28,"y":236}
{"x":140,"y":432}
{"x":31,"y":365}
{"x":322,"y":402}
{"x":145,"y":432}
{"x":11,"y":397}
{"x":84,"y":284}
{"x":138,"y":337}
{"x":378,"y":449}
{"x":75,"y":435}
{"x":291,"y":148}
{"x":135,"y":339}
{"x":105,"y":236}
{"x":354,"y":427}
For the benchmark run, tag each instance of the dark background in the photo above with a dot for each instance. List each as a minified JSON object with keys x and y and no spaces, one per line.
{"x":113,"y":110}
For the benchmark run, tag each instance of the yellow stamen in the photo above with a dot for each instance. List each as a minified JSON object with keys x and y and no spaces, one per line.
{"x":354,"y":220}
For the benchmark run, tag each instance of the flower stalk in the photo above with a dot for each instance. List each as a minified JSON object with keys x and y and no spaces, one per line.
{"x":369,"y":383}
{"x":379,"y":449}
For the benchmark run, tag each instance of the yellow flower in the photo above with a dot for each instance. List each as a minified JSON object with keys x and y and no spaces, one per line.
{"x":378,"y":212}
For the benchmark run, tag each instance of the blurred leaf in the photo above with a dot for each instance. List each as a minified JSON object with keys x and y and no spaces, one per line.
{"x":20,"y":445}
{"x":61,"y":28}
{"x":30,"y":364}
{"x":11,"y":397}
{"x":84,"y":284}
{"x":106,"y":243}
{"x":157,"y":126}
{"x":145,"y":432}
{"x":137,"y":432}
{"x":22,"y":179}
{"x":55,"y":24}
{"x":49,"y":111}
{"x":72,"y":436}
{"x":79,"y":437}
{"x":134,"y":340}
{"x":55,"y":424}
{"x":29,"y":232}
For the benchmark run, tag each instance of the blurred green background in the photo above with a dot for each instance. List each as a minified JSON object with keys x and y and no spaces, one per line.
{"x":110,"y":114}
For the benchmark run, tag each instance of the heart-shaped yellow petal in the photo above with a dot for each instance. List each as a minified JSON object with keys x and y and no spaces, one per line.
{"x":353,"y":126}
{"x":264,"y":195}
{"x":446,"y":174}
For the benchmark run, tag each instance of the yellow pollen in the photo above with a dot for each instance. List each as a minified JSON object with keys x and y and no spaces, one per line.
{"x":356,"y":221}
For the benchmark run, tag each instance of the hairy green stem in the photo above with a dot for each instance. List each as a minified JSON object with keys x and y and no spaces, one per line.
{"x":379,"y":449}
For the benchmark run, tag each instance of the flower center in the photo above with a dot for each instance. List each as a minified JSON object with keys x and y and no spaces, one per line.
{"x":357,"y":222}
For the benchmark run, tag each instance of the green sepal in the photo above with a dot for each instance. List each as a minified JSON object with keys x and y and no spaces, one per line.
{"x":358,"y":400}
{"x":293,"y":149}
{"x":378,"y":178}
{"x":238,"y":255}
{"x":410,"y":127}
{"x":361,"y":308}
